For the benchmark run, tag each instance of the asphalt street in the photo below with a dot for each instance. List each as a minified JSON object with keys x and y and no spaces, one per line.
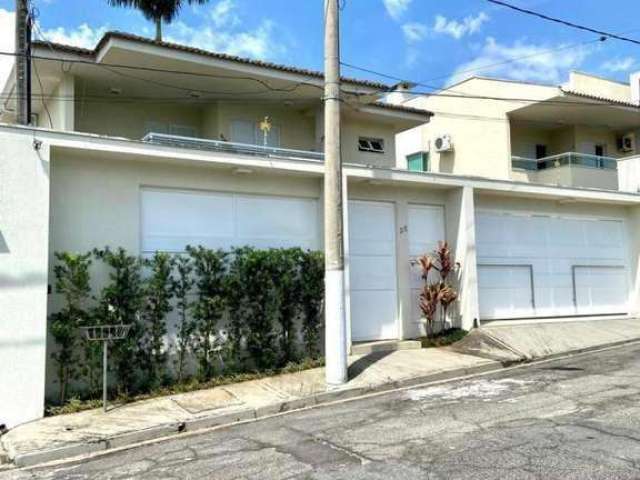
{"x":576,"y":418}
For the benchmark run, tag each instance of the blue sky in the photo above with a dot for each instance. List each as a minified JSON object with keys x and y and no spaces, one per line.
{"x":432,"y":41}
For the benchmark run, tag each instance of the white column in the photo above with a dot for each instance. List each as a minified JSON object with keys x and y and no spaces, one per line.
{"x":403,"y":268}
{"x":634,"y":251}
{"x":461,"y":235}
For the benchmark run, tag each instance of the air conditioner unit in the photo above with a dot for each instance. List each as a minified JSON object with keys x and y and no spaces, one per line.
{"x":443,"y":143}
{"x":627,"y":143}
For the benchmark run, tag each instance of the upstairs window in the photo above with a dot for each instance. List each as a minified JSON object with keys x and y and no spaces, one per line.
{"x":375,"y":145}
{"x":541,"y":151}
{"x":601,"y":150}
{"x":418,"y":162}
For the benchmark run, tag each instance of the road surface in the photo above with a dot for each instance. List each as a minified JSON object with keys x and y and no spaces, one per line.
{"x":569,"y":419}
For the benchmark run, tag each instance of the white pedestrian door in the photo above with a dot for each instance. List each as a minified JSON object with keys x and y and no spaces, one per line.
{"x":547,"y":266}
{"x":372,"y":271}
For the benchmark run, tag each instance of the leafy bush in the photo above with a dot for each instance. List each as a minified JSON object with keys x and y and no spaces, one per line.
{"x":121,"y":303}
{"x":239,"y":311}
{"x":181,"y":288}
{"x":72,"y":281}
{"x":157,"y":305}
{"x":256,"y":304}
{"x":210,"y":267}
{"x":311,"y":300}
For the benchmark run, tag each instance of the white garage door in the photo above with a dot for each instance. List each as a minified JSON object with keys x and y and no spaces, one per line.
{"x":172,"y":219}
{"x":426,"y":229}
{"x":372,"y":268}
{"x":535,"y":265}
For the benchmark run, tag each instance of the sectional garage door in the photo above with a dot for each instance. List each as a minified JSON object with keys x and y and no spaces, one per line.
{"x":542,"y":266}
{"x":172,"y":219}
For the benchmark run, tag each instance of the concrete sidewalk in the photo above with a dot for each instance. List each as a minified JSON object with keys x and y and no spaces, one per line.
{"x":64,"y":436}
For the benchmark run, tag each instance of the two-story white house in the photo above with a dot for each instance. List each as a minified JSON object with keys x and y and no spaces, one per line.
{"x":569,"y":135}
{"x":152,"y":146}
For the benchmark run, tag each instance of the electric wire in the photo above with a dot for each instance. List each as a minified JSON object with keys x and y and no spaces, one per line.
{"x":564,"y":22}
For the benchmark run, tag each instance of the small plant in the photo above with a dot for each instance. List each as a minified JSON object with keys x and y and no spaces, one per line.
{"x":438,"y":293}
{"x":210,"y":267}
{"x":72,"y":282}
{"x":157,"y":305}
{"x":121,"y":302}
{"x":181,"y":287}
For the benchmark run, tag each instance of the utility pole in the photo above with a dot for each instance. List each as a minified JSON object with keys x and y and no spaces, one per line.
{"x":335,"y":319}
{"x":23,"y":62}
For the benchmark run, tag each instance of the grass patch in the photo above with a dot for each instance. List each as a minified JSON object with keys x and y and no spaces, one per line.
{"x":75,"y":405}
{"x":444,"y":338}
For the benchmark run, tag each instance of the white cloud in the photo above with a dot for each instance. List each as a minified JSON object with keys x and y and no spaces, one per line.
{"x":458,"y":29}
{"x":84,"y":36}
{"x":7,"y":43}
{"x":396,"y":8}
{"x":223,"y":14}
{"x":619,"y":64}
{"x":257,"y":43}
{"x":414,"y":32}
{"x":522,"y":61}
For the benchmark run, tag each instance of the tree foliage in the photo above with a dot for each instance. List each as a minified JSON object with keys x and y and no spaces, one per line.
{"x":72,"y":282}
{"x":157,"y":11}
{"x":182,"y":287}
{"x":210,"y":267}
{"x":121,"y":302}
{"x":157,"y":306}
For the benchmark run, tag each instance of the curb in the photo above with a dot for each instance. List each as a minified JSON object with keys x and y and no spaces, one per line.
{"x":31,"y":459}
{"x":202,"y":424}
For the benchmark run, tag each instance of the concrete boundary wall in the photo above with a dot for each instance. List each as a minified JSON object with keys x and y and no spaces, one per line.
{"x":24,"y":241}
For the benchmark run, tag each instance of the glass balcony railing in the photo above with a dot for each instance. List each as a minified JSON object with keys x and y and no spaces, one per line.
{"x":562,"y":159}
{"x":230,"y":147}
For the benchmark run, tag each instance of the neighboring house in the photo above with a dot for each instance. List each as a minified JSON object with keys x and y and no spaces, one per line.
{"x":150,"y":159}
{"x":571,"y":135}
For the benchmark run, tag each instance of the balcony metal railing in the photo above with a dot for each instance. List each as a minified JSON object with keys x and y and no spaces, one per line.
{"x":562,"y":159}
{"x":230,"y":147}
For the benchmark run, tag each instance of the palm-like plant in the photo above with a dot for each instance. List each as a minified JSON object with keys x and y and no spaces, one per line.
{"x":157,"y":10}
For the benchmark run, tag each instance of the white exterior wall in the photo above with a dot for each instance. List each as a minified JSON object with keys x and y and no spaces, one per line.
{"x":24,"y":234}
{"x":479,"y":128}
{"x":629,"y":175}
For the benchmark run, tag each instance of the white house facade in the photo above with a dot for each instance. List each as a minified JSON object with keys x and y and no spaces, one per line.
{"x":107,"y":165}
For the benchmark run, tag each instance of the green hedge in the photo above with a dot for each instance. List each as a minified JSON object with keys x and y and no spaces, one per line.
{"x":238,"y":311}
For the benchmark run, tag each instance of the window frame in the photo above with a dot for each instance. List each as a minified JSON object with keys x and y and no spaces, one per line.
{"x":424,"y":157}
{"x":370,"y":148}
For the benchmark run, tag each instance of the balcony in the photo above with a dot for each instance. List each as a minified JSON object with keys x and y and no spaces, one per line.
{"x":230,"y":147}
{"x":562,"y":159}
{"x":569,"y":169}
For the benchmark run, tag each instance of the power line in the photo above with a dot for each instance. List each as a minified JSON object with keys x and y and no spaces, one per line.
{"x":204,"y":100}
{"x":564,"y":22}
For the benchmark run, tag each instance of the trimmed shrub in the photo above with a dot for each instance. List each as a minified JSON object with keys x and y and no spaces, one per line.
{"x":121,"y":302}
{"x":255,"y":302}
{"x":210,"y":267}
{"x":72,"y":281}
{"x":312,"y":300}
{"x":244,"y":310}
{"x":181,"y":288}
{"x":157,"y":294}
